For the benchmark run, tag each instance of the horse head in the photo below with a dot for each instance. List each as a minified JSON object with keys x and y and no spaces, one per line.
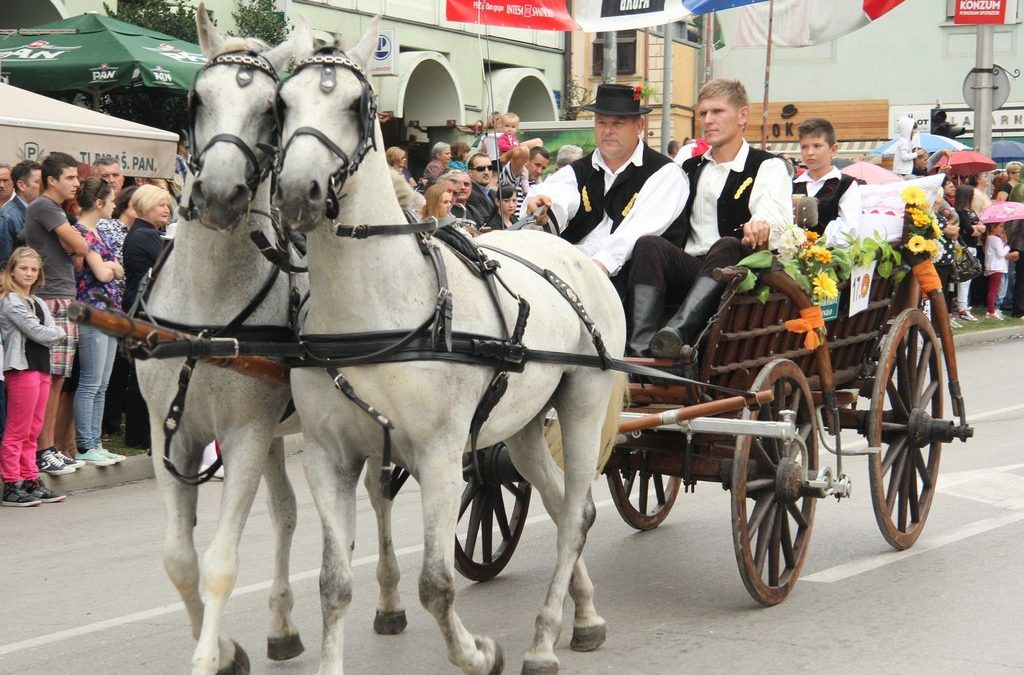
{"x":233,"y":131}
{"x":328,"y":118}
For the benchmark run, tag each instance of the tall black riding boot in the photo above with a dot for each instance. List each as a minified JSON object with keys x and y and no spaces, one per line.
{"x":683,"y":328}
{"x":646,"y":312}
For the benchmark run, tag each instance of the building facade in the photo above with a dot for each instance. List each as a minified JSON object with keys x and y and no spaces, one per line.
{"x":905,"y":63}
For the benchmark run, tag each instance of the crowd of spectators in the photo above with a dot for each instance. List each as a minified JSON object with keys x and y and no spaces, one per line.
{"x":69,"y":232}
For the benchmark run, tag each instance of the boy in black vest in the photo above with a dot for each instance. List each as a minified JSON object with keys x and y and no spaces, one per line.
{"x":837,"y":194}
{"x":605,"y":201}
{"x":738,"y":198}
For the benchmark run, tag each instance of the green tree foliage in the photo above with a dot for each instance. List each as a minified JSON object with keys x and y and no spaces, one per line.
{"x":260,"y":19}
{"x":163,"y":111}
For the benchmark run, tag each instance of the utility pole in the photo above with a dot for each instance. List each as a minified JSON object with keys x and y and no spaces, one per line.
{"x":666,"y":88}
{"x":767,"y":76}
{"x":983,"y":94}
{"x":611,"y":57}
{"x":708,"y":41}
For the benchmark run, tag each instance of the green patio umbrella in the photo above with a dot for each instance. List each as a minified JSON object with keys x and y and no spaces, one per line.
{"x":97,"y":55}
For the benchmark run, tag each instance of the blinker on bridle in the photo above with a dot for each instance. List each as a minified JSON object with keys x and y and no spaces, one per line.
{"x":249,"y":63}
{"x":329,"y":60}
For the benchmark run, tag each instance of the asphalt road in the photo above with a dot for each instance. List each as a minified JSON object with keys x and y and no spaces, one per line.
{"x":84,"y":590}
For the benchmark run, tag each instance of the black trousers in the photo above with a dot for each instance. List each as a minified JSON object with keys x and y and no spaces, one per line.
{"x":117,"y":389}
{"x":136,"y":422}
{"x":660,"y":263}
{"x":1018,"y":287}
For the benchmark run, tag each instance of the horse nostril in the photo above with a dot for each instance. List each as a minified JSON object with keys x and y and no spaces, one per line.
{"x":198,"y":198}
{"x":315,"y":195}
{"x":239,"y":199}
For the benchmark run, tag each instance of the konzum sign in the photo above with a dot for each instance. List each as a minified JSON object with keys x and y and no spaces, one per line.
{"x":980,"y":11}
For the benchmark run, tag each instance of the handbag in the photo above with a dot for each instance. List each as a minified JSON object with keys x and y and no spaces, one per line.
{"x":966,"y":265}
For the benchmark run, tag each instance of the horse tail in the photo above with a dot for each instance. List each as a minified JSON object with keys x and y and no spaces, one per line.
{"x":618,"y":399}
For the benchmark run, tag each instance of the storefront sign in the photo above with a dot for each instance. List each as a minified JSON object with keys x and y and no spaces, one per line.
{"x":853,"y":120}
{"x":980,"y":11}
{"x":1007,"y":120}
{"x":385,"y":54}
{"x":535,"y":14}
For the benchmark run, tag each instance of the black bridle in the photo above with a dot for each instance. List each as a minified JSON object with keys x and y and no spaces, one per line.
{"x":259,"y":168}
{"x":328,"y":60}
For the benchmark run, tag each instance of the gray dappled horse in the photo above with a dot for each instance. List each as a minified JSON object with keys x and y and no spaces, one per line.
{"x":387,"y":283}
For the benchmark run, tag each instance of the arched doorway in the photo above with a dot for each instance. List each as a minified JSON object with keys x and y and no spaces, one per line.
{"x":524,"y":91}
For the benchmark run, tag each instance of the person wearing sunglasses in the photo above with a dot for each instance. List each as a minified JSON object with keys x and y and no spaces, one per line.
{"x":480,"y":205}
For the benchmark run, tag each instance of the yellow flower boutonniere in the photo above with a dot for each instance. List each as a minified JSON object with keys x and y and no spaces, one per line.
{"x":629,"y":206}
{"x":743,"y":186}
{"x":586,"y":200}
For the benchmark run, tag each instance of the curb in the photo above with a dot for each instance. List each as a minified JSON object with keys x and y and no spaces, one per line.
{"x":140,"y":467}
{"x":136,"y":467}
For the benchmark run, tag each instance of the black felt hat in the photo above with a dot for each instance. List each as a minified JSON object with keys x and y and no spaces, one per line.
{"x":617,"y":99}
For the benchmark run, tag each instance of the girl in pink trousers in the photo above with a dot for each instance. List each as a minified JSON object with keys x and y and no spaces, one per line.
{"x":27,"y":331}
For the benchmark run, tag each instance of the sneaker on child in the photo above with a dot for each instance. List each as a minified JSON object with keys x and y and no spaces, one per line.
{"x":109,"y":455}
{"x":50,"y":462}
{"x":91,"y":456}
{"x":997,"y":315}
{"x":74,"y":463}
{"x":15,"y":495}
{"x":965,"y":315}
{"x":44,"y":494}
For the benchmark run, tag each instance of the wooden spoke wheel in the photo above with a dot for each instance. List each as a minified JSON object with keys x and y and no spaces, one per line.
{"x":502,"y":499}
{"x":905,"y":401}
{"x":643,"y":497}
{"x":772,"y":512}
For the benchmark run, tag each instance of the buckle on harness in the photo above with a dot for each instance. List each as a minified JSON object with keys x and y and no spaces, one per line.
{"x":225,"y":340}
{"x":511,"y":355}
{"x":361,"y":231}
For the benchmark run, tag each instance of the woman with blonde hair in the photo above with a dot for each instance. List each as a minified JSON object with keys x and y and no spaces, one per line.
{"x":439,"y":202}
{"x":398,"y":160}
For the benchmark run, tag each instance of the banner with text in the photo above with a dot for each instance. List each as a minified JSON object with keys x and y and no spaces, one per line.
{"x":980,"y":11}
{"x":529,"y":14}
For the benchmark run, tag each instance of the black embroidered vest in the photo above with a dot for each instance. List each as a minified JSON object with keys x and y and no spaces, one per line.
{"x":622,"y":193}
{"x":828,"y":198}
{"x":733,"y":210}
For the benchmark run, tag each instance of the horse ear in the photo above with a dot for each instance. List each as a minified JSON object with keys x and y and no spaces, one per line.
{"x":362,"y":51}
{"x":209,"y":39}
{"x":299,"y":45}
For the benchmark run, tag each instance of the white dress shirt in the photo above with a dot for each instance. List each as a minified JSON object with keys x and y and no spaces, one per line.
{"x":847,"y":223}
{"x":771,"y":199}
{"x":659,"y":202}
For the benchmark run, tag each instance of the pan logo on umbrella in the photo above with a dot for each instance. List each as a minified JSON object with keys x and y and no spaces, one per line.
{"x":34,"y":51}
{"x":104,"y":73}
{"x":162,"y":75}
{"x":172,"y":52}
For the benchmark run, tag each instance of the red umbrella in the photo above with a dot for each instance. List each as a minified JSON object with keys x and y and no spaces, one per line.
{"x":966,"y":162}
{"x":871,"y":174}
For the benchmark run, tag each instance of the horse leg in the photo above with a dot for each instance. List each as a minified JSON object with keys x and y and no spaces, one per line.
{"x":440,"y":487}
{"x":245,"y":458}
{"x":390,"y":616}
{"x":283,"y":641}
{"x":332,"y":478}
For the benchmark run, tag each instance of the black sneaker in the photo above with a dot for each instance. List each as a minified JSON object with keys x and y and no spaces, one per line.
{"x":49,"y":462}
{"x":15,"y":495}
{"x":44,"y":494}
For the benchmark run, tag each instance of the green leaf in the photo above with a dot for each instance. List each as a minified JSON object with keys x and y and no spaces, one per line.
{"x":748,"y":283}
{"x":900,"y":275}
{"x":762,"y":293}
{"x":804,"y":282}
{"x":760,"y":260}
{"x":884,"y":269}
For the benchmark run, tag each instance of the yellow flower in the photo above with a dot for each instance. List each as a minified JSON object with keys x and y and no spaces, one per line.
{"x":918,"y":244}
{"x":824,"y":287}
{"x":629,"y":206}
{"x":586,"y":200}
{"x":822,"y":254}
{"x":931,"y":246}
{"x":812,"y":236}
{"x":743,"y":186}
{"x":936,"y":230}
{"x":915,"y":195}
{"x":920,"y":218}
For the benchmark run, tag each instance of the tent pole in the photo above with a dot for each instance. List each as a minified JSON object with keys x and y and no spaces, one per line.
{"x":767,"y":76}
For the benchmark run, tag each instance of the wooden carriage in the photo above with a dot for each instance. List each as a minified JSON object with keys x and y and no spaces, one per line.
{"x":878,"y":372}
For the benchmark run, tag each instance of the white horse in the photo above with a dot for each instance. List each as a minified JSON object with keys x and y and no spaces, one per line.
{"x":213,"y":272}
{"x":385,"y":283}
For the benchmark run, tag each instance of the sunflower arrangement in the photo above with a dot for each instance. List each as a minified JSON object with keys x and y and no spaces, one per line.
{"x":803,"y":256}
{"x":922,"y":235}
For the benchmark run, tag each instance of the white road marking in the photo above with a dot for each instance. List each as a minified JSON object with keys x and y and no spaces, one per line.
{"x":829,"y":575}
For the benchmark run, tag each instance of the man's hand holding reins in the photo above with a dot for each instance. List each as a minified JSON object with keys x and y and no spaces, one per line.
{"x":755,"y":233}
{"x":537,"y":201}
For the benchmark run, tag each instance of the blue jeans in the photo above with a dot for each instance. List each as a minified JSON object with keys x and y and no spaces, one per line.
{"x":96,"y":357}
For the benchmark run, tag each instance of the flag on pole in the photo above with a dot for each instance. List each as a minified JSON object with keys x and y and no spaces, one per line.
{"x":802,"y":23}
{"x":529,"y":14}
{"x":599,"y":16}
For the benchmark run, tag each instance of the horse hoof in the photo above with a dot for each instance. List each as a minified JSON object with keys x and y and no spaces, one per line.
{"x":240,"y":666}
{"x":540,"y":667}
{"x":389,"y":623}
{"x":588,"y":638}
{"x":499,"y":660}
{"x":284,"y":648}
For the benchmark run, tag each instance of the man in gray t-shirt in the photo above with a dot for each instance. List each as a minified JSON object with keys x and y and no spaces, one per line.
{"x":48,"y":231}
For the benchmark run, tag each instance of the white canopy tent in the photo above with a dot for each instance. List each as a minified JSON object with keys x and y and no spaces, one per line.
{"x":32,"y":126}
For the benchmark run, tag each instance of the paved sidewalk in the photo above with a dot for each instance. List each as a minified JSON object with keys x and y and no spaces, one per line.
{"x":140,"y":467}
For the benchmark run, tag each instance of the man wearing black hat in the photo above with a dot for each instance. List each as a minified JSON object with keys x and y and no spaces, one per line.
{"x":622,"y":191}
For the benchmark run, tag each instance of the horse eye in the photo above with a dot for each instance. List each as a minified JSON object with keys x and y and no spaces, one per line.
{"x":355,"y":107}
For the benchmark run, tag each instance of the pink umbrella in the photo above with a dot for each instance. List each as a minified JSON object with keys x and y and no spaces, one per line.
{"x":872,"y":174}
{"x":1000,"y":212}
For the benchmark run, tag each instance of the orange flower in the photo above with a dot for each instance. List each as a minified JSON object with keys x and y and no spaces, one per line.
{"x":812,"y":236}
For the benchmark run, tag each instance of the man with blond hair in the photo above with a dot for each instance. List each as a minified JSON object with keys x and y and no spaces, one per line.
{"x":739,"y":198}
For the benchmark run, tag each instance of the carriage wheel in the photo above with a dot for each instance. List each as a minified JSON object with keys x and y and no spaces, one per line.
{"x":643,"y":497}
{"x":500,"y":499}
{"x":907,"y":395}
{"x":772,"y":516}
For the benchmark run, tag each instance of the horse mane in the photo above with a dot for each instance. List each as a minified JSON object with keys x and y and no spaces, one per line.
{"x":408,"y":198}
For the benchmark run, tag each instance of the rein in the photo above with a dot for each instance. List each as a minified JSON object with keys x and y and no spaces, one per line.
{"x":258,"y":169}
